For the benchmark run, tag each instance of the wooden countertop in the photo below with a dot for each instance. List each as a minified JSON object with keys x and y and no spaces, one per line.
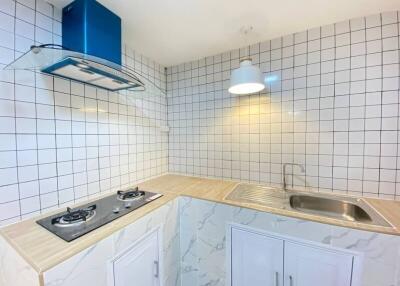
{"x":43,"y":250}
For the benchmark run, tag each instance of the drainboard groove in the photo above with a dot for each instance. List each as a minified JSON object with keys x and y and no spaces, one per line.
{"x":257,"y":194}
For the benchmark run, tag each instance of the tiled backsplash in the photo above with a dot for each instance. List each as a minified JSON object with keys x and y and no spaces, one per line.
{"x":61,"y":141}
{"x":332,"y":104}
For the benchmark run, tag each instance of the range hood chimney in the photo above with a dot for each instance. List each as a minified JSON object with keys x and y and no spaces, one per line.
{"x":90,"y":28}
{"x":90,"y":51}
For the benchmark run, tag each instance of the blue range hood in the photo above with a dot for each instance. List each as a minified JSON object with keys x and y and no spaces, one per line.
{"x":90,"y":51}
{"x":90,"y":28}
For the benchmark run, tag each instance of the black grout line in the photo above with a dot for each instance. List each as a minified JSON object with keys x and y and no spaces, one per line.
{"x":15,"y":129}
{"x":380,"y":123}
{"x":37,"y":145}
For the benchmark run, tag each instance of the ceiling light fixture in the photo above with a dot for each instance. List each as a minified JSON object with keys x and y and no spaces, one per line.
{"x":246,"y":79}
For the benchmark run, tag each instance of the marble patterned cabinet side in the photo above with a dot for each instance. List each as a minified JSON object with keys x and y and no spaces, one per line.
{"x":14,"y":270}
{"x":91,"y":265}
{"x":203,"y":239}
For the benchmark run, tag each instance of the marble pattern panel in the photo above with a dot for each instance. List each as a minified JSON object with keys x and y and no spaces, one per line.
{"x":203,"y":236}
{"x":14,"y":270}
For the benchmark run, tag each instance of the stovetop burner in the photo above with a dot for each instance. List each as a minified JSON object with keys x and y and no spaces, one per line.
{"x":74,"y":223}
{"x":74,"y":217}
{"x":130,"y":194}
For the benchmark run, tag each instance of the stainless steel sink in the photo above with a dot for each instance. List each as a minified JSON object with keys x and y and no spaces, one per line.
{"x":332,"y":206}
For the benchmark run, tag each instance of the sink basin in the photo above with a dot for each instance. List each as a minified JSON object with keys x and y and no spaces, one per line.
{"x":329,"y":207}
{"x":333,"y":206}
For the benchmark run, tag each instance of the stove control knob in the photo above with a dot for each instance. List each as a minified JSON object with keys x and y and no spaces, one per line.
{"x":115,"y":210}
{"x":128,"y":205}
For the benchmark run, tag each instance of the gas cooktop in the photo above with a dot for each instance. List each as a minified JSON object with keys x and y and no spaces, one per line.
{"x":76,"y":222}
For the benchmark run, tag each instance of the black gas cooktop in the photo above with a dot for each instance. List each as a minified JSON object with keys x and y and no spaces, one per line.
{"x":76,"y":222}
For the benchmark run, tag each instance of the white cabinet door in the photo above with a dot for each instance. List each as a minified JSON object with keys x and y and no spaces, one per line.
{"x":309,"y":266}
{"x":257,"y":260}
{"x":140,"y":265}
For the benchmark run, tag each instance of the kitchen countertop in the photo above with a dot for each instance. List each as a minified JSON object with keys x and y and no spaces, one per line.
{"x":43,"y":250}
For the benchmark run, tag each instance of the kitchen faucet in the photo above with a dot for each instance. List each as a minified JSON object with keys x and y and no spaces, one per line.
{"x":284,"y":172}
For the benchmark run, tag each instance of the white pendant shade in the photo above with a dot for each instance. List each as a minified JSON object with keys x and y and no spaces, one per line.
{"x":246,"y":79}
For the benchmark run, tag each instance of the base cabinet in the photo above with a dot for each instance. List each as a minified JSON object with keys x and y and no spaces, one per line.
{"x":309,"y":266}
{"x":139,"y":266}
{"x":250,"y":266}
{"x":260,"y":260}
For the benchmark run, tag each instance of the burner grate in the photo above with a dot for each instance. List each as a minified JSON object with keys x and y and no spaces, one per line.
{"x":74,"y":217}
{"x":130,"y":195}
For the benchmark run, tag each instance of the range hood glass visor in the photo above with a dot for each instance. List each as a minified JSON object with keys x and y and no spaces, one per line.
{"x":80,"y":67}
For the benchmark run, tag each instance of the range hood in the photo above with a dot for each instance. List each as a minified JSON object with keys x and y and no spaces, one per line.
{"x":90,"y":51}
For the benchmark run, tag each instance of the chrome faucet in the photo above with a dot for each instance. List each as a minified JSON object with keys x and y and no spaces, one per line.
{"x":284,"y":172}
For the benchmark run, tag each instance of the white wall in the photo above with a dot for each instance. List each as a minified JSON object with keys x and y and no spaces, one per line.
{"x":332,"y":104}
{"x":61,"y":141}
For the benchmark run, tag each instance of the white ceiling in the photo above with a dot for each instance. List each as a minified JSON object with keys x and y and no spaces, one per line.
{"x":176,"y":31}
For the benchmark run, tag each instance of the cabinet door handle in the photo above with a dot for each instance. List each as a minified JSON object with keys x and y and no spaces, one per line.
{"x":157,"y":265}
{"x":276,"y":278}
{"x":290,"y":280}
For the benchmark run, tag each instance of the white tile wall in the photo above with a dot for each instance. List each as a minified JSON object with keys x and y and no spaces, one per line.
{"x":62,"y":141}
{"x":332,"y":104}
